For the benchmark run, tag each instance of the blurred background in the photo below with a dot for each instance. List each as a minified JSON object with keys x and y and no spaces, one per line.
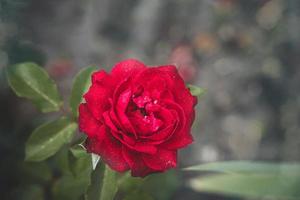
{"x":245,"y":53}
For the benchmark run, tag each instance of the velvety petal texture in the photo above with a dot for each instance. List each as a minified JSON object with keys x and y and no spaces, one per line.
{"x":137,"y":117}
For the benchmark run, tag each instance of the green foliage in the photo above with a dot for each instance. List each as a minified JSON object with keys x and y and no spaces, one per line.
{"x":250,"y":179}
{"x":195,"y":90}
{"x":138,"y":195}
{"x":73,"y":185}
{"x":81,"y":83}
{"x":78,"y":151}
{"x":31,"y":81}
{"x":61,"y":160}
{"x":36,"y":171}
{"x":47,"y":139}
{"x":248,"y":167}
{"x":127,"y":183}
{"x":269,"y":185}
{"x":103,"y":184}
{"x":79,"y":161}
{"x":166,"y":183}
{"x":31,"y":192}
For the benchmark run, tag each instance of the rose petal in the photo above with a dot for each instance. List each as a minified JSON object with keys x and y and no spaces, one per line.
{"x":131,"y":143}
{"x":109,"y":149}
{"x":113,"y":116}
{"x":182,"y":95}
{"x":145,"y":147}
{"x":162,"y":160}
{"x":180,"y":140}
{"x":152,"y":81}
{"x":160,"y":136}
{"x":108,"y":121}
{"x":124,"y":138}
{"x":87,"y":123}
{"x":142,"y":100}
{"x":120,"y":103}
{"x":126,"y":68}
{"x":101,"y":77}
{"x":121,"y":108}
{"x":136,"y":163}
{"x":182,"y":136}
{"x":145,"y":125}
{"x":97,"y":99}
{"x":167,"y":116}
{"x":170,"y":120}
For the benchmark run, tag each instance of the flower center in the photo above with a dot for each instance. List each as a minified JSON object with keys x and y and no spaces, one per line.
{"x":140,"y":114}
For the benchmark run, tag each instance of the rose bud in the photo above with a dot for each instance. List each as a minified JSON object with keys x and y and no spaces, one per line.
{"x":182,"y":57}
{"x":137,"y":117}
{"x":60,"y":68}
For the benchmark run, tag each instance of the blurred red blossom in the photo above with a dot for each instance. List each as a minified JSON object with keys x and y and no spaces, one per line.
{"x":182,"y":56}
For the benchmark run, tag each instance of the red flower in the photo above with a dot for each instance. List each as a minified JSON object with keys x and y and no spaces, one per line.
{"x":136,"y":117}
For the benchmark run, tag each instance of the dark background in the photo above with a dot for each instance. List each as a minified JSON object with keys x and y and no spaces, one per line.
{"x":245,"y":53}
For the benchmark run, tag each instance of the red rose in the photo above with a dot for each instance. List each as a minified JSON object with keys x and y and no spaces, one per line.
{"x":137,"y":117}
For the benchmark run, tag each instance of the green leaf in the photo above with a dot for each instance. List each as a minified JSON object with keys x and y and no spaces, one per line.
{"x":150,"y":185}
{"x":79,"y":161}
{"x":71,"y":187}
{"x":47,"y":139}
{"x":31,"y":81}
{"x":128,"y":183}
{"x":138,"y":195}
{"x":195,"y":90}
{"x":169,"y":180}
{"x":103,"y":185}
{"x":81,"y":84}
{"x":79,"y":151}
{"x":274,"y":186}
{"x":61,"y":160}
{"x":248,"y":167}
{"x":250,"y":179}
{"x":30,"y":192}
{"x":74,"y":184}
{"x":36,"y":171}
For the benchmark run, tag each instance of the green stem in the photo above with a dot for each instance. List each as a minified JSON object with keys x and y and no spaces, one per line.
{"x":103,"y":184}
